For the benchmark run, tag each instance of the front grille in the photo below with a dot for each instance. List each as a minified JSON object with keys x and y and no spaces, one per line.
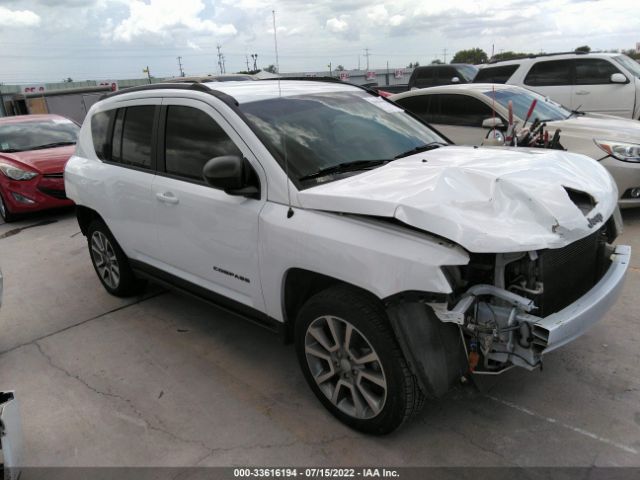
{"x":568,"y":273}
{"x":59,"y":194}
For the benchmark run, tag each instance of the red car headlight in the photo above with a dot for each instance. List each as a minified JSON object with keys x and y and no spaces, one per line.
{"x":15,"y":173}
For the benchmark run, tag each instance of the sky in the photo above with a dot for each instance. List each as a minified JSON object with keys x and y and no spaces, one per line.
{"x":49,"y":40}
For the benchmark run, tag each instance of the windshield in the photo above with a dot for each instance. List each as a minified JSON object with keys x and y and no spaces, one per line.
{"x":468,"y":71}
{"x":31,"y":135}
{"x":629,"y":64}
{"x":546,"y":110}
{"x":319,"y":131}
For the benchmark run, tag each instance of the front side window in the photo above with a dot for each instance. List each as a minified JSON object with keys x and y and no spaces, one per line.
{"x":132,"y":136}
{"x":191,"y":139}
{"x":631,"y":65}
{"x":37,"y":134}
{"x":594,"y":71}
{"x":323,"y":130}
{"x":419,"y":105}
{"x":461,"y":110}
{"x":545,"y":109}
{"x":445,"y":74}
{"x":556,"y":72}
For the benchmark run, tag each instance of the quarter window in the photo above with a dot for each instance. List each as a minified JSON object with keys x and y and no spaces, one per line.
{"x":594,"y":71}
{"x":557,"y":72}
{"x":100,"y":124}
{"x":191,"y":139}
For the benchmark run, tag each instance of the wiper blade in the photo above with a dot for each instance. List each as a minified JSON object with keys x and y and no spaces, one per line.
{"x":422,"y":148}
{"x":52,"y":145}
{"x":344,"y":167}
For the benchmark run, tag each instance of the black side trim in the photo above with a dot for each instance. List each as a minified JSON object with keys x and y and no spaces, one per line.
{"x":171,"y":281}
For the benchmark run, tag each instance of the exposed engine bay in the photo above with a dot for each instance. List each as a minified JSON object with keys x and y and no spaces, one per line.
{"x":501,"y":301}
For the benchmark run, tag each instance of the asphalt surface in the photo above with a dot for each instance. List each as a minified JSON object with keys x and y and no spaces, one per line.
{"x":163,"y":380}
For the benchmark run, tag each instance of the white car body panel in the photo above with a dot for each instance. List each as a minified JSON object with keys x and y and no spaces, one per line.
{"x":485,"y":199}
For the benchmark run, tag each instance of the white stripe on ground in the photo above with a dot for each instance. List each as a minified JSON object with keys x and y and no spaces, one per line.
{"x":581,"y":431}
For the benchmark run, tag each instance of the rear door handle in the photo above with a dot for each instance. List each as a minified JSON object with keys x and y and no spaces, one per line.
{"x":582,"y":92}
{"x":167,"y":197}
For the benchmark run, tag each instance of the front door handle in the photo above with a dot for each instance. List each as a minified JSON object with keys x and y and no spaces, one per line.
{"x":583,"y":92}
{"x":167,"y":197}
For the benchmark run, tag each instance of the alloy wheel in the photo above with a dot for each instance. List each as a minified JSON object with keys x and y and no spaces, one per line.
{"x":105,"y":260}
{"x":345,"y":367}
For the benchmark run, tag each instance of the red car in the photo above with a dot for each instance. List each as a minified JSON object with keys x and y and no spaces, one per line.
{"x":33,"y":152}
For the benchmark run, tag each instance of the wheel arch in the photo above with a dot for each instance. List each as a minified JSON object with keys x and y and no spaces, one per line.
{"x":298,"y":286}
{"x":85,"y":216}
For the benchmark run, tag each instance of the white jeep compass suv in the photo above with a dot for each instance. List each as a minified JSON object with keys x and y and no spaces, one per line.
{"x":396,"y":263}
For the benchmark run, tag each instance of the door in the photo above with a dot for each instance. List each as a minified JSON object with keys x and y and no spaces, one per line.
{"x":552,"y":79}
{"x":594,"y":91}
{"x":124,"y":141}
{"x":207,"y":237}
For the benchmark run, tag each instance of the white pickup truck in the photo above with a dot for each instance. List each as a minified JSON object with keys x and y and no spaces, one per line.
{"x":396,"y":262}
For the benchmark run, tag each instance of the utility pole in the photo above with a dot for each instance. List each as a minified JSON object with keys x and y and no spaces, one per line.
{"x":387,"y":72}
{"x":445,"y":55}
{"x":366,"y":54}
{"x":275,"y":41}
{"x":254,"y":56}
{"x":180,"y":66}
{"x":220,"y":60}
{"x":146,"y":70}
{"x":330,"y":70}
{"x":358,"y":61}
{"x":246,"y":57}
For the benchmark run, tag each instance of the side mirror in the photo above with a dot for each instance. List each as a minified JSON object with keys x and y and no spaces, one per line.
{"x":618,"y":78}
{"x":455,"y":80}
{"x":492,"y":123}
{"x":230,"y":173}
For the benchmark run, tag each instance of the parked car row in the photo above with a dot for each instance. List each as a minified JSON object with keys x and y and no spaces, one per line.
{"x":396,"y":262}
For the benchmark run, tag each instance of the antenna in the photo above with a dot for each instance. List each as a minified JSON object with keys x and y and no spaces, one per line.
{"x":284,"y":138}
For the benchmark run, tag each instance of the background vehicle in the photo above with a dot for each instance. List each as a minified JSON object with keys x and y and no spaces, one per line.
{"x":329,"y":214}
{"x":33,"y":152}
{"x":607,"y":83}
{"x":465,"y":113}
{"x":433,"y":75}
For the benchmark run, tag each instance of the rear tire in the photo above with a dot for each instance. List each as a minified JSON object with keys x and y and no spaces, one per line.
{"x":110,"y":262}
{"x":6,"y":215}
{"x":351,"y":360}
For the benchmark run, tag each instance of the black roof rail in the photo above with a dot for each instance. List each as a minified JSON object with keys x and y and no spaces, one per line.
{"x":197,"y":86}
{"x":536,"y":55}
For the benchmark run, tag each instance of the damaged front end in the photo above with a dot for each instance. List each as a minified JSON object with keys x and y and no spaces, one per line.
{"x":512,"y":308}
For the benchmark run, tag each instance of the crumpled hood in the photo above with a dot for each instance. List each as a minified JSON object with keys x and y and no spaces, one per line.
{"x":484,"y":199}
{"x":602,"y":127}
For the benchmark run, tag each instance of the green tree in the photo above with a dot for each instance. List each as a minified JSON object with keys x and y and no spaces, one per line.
{"x":584,"y":48}
{"x":340,"y":68}
{"x":473,"y":55}
{"x":271,"y":69}
{"x":509,"y":55}
{"x":413,"y":65}
{"x":436,"y":61}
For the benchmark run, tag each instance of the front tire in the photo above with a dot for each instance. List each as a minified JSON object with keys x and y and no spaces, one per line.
{"x":352,"y":362}
{"x":110,"y":262}
{"x":6,"y":215}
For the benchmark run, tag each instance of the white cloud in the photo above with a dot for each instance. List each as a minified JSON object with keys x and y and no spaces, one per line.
{"x":165,"y":18}
{"x":18,"y":18}
{"x":338,"y":25}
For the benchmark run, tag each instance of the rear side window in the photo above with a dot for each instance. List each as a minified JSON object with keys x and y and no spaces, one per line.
{"x":132,"y":136}
{"x":100,"y":124}
{"x":557,"y":72}
{"x":419,"y":105}
{"x":594,"y":71}
{"x":191,"y":139}
{"x":495,"y":74}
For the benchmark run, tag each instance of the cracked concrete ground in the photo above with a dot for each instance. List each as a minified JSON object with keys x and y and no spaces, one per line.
{"x":163,"y":380}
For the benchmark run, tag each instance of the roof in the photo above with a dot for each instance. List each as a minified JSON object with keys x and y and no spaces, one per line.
{"x":547,"y":57}
{"x":210,"y":78}
{"x":31,"y":118}
{"x":245,"y":92}
{"x":460,"y":88}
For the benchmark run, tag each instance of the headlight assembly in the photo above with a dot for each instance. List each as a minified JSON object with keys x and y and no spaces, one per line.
{"x":627,"y":152}
{"x":15,"y":173}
